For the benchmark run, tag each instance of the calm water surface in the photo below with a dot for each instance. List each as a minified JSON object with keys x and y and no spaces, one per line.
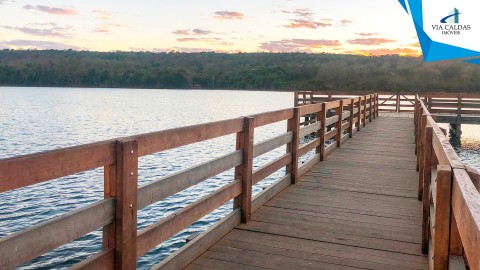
{"x":39,"y":119}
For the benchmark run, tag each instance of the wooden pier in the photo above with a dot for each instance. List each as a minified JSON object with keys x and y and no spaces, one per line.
{"x":451,"y":108}
{"x":357,"y":203}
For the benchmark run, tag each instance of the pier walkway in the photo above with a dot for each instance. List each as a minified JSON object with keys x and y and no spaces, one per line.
{"x":356,"y":210}
{"x":354,"y":190}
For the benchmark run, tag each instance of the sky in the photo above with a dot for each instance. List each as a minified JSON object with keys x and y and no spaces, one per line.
{"x":369,"y":27}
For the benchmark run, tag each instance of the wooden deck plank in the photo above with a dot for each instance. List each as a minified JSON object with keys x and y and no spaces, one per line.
{"x":355,"y":210}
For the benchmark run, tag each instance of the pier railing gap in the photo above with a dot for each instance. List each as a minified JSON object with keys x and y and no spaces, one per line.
{"x":330,"y":123}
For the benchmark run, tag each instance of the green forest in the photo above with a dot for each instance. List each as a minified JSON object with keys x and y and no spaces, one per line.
{"x":276,"y":71}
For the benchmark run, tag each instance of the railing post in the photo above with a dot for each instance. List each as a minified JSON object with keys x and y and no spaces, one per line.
{"x":294,"y":127}
{"x":441,"y":235}
{"x":295,"y":96}
{"x":421,"y":157}
{"x":415,"y":122}
{"x":364,"y":111}
{"x":424,"y":181}
{"x":126,"y":204}
{"x":352,"y":116}
{"x":323,"y":128}
{"x":398,"y":103}
{"x":370,"y":109}
{"x":359,"y":114}
{"x":419,"y":137}
{"x":338,"y":125}
{"x":377,"y":106}
{"x":244,"y":171}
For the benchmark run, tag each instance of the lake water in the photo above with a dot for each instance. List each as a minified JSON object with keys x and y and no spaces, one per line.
{"x":39,"y":119}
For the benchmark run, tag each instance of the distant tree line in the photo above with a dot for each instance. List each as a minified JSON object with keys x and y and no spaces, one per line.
{"x":279,"y":71}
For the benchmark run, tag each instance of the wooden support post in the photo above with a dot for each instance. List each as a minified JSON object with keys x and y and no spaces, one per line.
{"x":421,"y":157}
{"x":126,"y":204}
{"x":458,"y":127}
{"x":359,"y":114}
{"x":244,"y":171}
{"x":441,"y":236}
{"x":419,"y":137}
{"x":295,"y":96}
{"x":377,"y":106}
{"x":294,"y":127}
{"x":338,"y":125}
{"x":352,"y":116}
{"x":398,"y":103}
{"x":370,"y":109}
{"x":364,"y":111}
{"x":330,"y":97}
{"x":323,"y":128}
{"x":415,"y":122}
{"x":424,"y":180}
{"x":374,"y":100}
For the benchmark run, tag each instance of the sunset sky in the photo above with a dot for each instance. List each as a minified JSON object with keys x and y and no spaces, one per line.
{"x":342,"y":26}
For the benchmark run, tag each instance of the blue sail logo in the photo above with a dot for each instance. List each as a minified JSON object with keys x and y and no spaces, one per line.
{"x":453,"y":17}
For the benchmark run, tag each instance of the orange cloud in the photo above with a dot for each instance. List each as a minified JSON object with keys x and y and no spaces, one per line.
{"x":416,"y":44}
{"x":228,"y":15}
{"x":52,"y":10}
{"x":297,"y":45}
{"x":301,"y":23}
{"x":396,"y":51}
{"x":370,"y":41}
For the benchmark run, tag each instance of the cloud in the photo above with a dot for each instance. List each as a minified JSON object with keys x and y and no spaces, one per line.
{"x":370,"y":41}
{"x":201,"y":32}
{"x":181,"y":32}
{"x":301,"y":23}
{"x":301,"y":12}
{"x":416,"y":45}
{"x":107,"y":27}
{"x":345,"y":22}
{"x":188,"y":32}
{"x":297,"y":45}
{"x":52,"y":10}
{"x":379,"y":52}
{"x":367,"y":34}
{"x":305,"y":19}
{"x":53,"y":30}
{"x":38,"y":44}
{"x":4,"y":1}
{"x":228,"y":15}
{"x":103,"y":15}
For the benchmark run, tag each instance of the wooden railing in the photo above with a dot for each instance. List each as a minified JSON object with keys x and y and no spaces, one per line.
{"x":437,"y":103}
{"x":450,"y":194}
{"x":117,"y":212}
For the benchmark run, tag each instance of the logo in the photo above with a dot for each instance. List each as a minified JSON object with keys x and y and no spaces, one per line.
{"x":454,"y":17}
{"x":446,"y":31}
{"x":450,"y":25}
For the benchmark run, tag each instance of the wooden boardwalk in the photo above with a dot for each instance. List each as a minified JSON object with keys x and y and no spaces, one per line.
{"x":356,"y":210}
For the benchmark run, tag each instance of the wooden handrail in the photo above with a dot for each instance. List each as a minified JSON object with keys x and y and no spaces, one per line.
{"x":441,"y":103}
{"x":117,"y":213}
{"x":451,"y":200}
